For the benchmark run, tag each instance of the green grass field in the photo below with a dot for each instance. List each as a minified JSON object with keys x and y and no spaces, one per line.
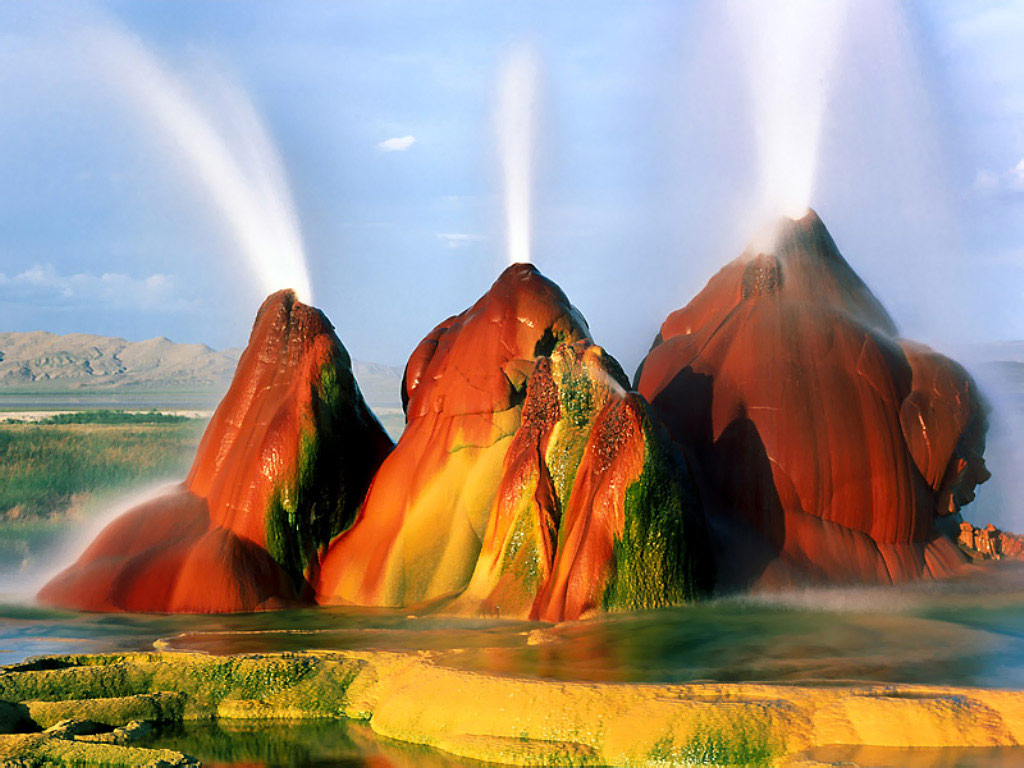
{"x":101,"y":416}
{"x":51,"y":473}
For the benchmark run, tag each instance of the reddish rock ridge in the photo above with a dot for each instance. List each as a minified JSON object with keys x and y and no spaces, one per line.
{"x":280,"y":470}
{"x":595,"y":509}
{"x":419,"y":532}
{"x":825,"y":447}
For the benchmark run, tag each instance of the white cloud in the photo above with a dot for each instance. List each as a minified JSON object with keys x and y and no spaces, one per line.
{"x":1007,"y":183}
{"x":42,"y":284}
{"x":397,"y":144}
{"x":458,"y":239}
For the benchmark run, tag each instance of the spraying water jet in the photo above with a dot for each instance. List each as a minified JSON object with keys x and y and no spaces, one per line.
{"x":236,"y":165}
{"x":790,"y":47}
{"x":516,"y":127}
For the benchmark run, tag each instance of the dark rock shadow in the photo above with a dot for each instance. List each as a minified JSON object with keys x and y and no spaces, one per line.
{"x":734,"y":477}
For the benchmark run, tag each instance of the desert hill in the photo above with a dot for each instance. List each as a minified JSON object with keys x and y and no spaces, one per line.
{"x":38,"y":361}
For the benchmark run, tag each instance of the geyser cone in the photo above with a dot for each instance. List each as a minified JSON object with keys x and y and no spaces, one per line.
{"x":281,"y":469}
{"x":418,"y":534}
{"x":526,"y":469}
{"x":784,"y":380}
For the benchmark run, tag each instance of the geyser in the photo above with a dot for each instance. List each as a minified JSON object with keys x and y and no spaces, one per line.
{"x":516,"y":127}
{"x":233,"y":159}
{"x":828,"y":449}
{"x":790,"y":47}
{"x":280,"y":470}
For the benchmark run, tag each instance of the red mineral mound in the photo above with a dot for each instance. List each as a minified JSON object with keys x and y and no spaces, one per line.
{"x":826,"y":448}
{"x":418,"y":534}
{"x":281,"y":469}
{"x":528,"y":481}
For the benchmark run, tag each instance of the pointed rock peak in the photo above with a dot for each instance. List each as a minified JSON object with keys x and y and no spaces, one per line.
{"x":806,"y":236}
{"x":798,"y":257}
{"x":285,"y":305}
{"x":284,"y":300}
{"x":283,"y":322}
{"x":478,"y":360}
{"x":281,"y":469}
{"x":524,"y":284}
{"x":519,"y":270}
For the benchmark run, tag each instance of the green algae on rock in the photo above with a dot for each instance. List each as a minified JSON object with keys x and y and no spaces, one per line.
{"x":596,"y":509}
{"x":151,"y":707}
{"x":36,"y":749}
{"x":280,"y":685}
{"x":663,"y":556}
{"x":320,"y":500}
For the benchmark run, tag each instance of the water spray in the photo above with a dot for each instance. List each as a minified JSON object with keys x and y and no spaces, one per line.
{"x":517,"y":126}
{"x":21,"y":585}
{"x":236,"y":165}
{"x":790,"y":47}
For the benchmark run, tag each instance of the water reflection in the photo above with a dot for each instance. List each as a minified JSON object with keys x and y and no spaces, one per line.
{"x":893,"y":757}
{"x":297,"y":745}
{"x":735,"y":643}
{"x":964,"y":632}
{"x":319,"y":745}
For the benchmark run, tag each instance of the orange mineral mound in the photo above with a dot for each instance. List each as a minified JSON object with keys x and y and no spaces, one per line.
{"x":528,"y":481}
{"x":827,"y":449}
{"x":418,"y":534}
{"x":281,"y":469}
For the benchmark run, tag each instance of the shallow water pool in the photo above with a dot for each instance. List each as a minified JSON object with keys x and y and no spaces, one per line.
{"x":964,"y":632}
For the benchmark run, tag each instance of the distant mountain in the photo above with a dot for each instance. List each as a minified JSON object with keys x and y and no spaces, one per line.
{"x":1003,"y":351}
{"x":998,"y":367}
{"x":38,"y":361}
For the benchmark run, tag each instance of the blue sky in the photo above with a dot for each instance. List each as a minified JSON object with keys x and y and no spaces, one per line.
{"x":644,"y":167}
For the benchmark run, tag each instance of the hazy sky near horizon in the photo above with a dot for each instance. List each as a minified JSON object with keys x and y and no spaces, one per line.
{"x":383,"y":116}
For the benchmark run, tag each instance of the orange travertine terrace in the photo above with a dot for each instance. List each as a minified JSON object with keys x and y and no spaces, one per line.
{"x":828,"y":449}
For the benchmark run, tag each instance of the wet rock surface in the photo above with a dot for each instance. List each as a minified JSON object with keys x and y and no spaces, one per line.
{"x":594,"y":510}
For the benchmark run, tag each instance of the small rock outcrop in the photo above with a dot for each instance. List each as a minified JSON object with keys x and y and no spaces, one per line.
{"x":990,"y":543}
